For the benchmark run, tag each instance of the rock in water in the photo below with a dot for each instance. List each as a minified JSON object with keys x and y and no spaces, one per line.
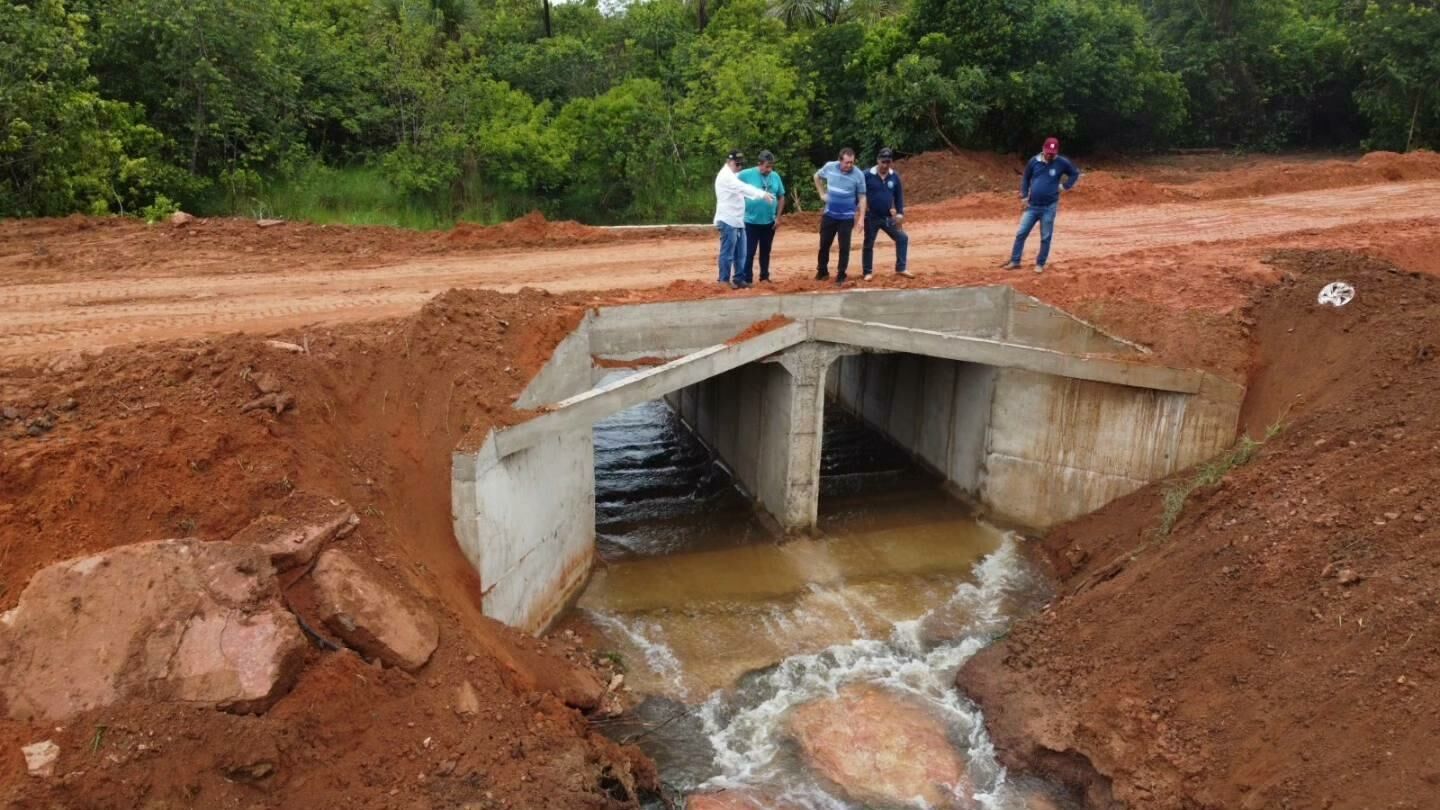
{"x":881,"y":750}
{"x":169,"y":620}
{"x":371,"y":617}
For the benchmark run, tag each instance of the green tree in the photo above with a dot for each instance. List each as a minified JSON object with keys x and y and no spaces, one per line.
{"x":1395,"y":41}
{"x":63,"y":147}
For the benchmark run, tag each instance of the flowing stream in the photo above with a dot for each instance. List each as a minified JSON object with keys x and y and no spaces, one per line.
{"x":723,"y":631}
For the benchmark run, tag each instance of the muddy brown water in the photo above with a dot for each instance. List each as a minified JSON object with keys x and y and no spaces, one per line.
{"x":722,"y":629}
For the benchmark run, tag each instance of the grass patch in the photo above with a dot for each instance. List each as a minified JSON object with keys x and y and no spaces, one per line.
{"x":1210,"y":474}
{"x":357,"y":196}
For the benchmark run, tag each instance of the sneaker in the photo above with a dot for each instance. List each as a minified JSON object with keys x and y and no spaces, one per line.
{"x":839,"y":281}
{"x":1009,"y":265}
{"x":822,"y":275}
{"x":1039,"y":268}
{"x":734,"y":285}
{"x":905,"y":273}
{"x":867,"y":276}
{"x":765,"y":280}
{"x":742,"y":285}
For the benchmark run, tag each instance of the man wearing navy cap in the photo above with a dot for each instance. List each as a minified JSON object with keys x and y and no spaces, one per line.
{"x":730,"y":195}
{"x":1047,"y":176}
{"x":884,"y":211}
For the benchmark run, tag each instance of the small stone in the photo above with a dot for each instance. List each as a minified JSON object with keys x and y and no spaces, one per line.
{"x":1392,"y":515}
{"x":446,"y":768}
{"x":181,"y":218}
{"x":467,"y":700}
{"x":40,"y":758}
{"x":616,"y":682}
{"x":285,"y":346}
{"x":1347,"y":576}
{"x":10,"y":412}
{"x":267,"y":383}
{"x":69,"y":404}
{"x":269,"y":223}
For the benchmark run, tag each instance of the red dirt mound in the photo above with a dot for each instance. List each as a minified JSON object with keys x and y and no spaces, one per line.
{"x":1277,"y":649}
{"x":942,"y":175}
{"x":149,"y":443}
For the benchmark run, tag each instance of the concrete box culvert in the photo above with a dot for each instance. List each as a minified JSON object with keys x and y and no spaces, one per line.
{"x":1032,"y":413}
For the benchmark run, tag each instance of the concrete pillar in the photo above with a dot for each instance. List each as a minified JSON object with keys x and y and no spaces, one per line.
{"x":797,"y":506}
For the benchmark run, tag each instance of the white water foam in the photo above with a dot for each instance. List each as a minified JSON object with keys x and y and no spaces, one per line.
{"x":650,"y":639}
{"x":748,"y":735}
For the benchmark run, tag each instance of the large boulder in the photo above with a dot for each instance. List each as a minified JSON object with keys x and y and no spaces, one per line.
{"x":178,"y":620}
{"x":371,"y":617}
{"x":881,"y":750}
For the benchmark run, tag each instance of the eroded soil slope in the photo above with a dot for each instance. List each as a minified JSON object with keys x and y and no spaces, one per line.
{"x":1278,"y":648}
{"x":152,"y":443}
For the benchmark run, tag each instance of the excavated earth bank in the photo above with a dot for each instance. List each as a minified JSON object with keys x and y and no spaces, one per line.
{"x":1278,"y":648}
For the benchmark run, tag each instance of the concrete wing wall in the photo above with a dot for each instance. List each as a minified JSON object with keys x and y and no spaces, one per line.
{"x":1059,"y":448}
{"x":527,"y":524}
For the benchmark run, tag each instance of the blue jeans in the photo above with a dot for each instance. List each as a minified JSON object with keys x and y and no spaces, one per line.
{"x":732,"y":252}
{"x":873,"y":226}
{"x":1045,"y":215}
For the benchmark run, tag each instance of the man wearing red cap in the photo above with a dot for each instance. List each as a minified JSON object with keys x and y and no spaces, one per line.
{"x":1047,"y":175}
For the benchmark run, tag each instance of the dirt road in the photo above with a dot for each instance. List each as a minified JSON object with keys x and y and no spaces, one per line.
{"x":71,"y":305}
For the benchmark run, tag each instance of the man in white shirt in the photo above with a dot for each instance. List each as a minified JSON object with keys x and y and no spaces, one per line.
{"x":730,"y":195}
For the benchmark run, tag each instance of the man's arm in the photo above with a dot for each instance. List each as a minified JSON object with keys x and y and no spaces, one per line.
{"x":779,"y":198}
{"x":819,"y":184}
{"x":860,"y":204}
{"x":1025,"y":179}
{"x":899,"y":196}
{"x":1072,"y":175}
{"x":734,"y":183}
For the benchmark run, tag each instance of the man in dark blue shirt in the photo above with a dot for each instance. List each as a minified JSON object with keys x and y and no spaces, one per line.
{"x":884,"y":211}
{"x":1047,"y":175}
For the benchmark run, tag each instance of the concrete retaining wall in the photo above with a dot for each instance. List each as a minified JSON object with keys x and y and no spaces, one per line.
{"x":527,"y":524}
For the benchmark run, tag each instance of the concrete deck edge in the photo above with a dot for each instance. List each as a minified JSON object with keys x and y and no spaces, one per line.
{"x":1000,"y":353}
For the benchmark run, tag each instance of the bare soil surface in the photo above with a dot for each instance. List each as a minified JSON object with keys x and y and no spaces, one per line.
{"x":1277,"y":649}
{"x":1195,"y":675}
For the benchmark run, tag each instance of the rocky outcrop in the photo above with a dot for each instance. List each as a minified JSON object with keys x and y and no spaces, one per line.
{"x":881,"y":750}
{"x":170,"y":620}
{"x":376,"y":620}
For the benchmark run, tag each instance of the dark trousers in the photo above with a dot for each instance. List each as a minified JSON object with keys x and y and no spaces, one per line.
{"x":873,"y":226}
{"x":758,"y":239}
{"x":829,"y":229}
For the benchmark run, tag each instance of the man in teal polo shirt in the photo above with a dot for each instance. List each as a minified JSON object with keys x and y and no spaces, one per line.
{"x":762,"y":217}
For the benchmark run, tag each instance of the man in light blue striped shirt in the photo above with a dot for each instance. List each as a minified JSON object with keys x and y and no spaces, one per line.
{"x":842,"y":186}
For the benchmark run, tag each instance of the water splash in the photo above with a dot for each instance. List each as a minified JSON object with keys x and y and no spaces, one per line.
{"x":747,"y":729}
{"x":649,"y":638}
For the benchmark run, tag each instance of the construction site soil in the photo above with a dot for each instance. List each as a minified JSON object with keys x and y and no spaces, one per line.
{"x":1273,"y":650}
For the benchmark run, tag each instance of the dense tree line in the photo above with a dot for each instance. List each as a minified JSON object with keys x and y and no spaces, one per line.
{"x":488,"y":108}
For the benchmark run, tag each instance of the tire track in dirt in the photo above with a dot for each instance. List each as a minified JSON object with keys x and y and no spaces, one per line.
{"x":198,"y":296}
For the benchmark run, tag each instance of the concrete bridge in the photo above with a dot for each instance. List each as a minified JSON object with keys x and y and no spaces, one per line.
{"x":1025,"y":410}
